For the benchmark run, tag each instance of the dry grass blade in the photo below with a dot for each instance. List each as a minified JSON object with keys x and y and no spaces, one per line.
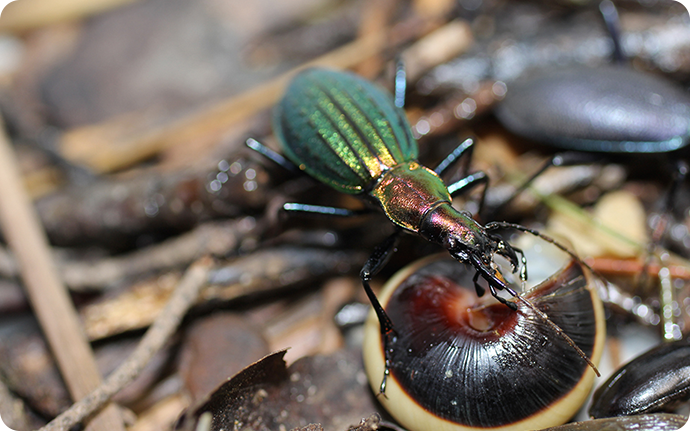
{"x":48,"y":295}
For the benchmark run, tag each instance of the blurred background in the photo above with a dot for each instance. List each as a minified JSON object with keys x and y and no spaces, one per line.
{"x":129,"y":117}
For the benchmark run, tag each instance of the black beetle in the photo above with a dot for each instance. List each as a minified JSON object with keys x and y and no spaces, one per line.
{"x":654,"y":381}
{"x":599,"y":109}
{"x":606,"y":110}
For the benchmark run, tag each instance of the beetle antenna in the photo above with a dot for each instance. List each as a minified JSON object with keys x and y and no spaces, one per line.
{"x":558,"y":330}
{"x":555,"y":327}
{"x":546,"y":320}
{"x":541,"y":314}
{"x":505,"y":225}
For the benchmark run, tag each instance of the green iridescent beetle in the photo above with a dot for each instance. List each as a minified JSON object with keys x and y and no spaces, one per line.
{"x":347,"y":133}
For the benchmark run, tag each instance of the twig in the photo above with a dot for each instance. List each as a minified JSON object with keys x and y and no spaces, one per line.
{"x":437,"y":47}
{"x":633,"y":267}
{"x":49,"y":297}
{"x":374,"y":18}
{"x":263,"y":271}
{"x":213,"y":238}
{"x":185,"y":295}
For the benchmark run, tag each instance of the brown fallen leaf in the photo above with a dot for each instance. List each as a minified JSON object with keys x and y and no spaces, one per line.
{"x":327,"y":390}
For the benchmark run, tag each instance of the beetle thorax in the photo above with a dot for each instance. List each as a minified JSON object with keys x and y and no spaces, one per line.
{"x":408,"y":192}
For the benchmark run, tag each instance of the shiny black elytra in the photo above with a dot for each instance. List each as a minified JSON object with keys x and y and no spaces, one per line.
{"x":348,"y":134}
{"x":657,"y":380}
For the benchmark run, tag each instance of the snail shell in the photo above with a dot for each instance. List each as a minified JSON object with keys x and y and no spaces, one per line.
{"x":462,"y":362}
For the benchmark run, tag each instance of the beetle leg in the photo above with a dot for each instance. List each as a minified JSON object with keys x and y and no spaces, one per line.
{"x":291,"y":167}
{"x":373,"y":265}
{"x":494,"y":283}
{"x":568,"y":158}
{"x":494,"y":293}
{"x":514,"y":255}
{"x":511,"y":253}
{"x":272,"y":155}
{"x":680,"y":173}
{"x":293,"y":207}
{"x":613,"y":25}
{"x":400,"y":84}
{"x":480,"y":290}
{"x":464,"y":150}
{"x":523,"y":262}
{"x":468,"y":183}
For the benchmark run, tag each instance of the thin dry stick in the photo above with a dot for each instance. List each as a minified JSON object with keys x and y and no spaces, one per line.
{"x":165,"y":325}
{"x":48,"y":296}
{"x":214,"y":238}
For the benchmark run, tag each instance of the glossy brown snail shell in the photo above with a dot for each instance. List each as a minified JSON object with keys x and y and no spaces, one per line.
{"x":472,"y":363}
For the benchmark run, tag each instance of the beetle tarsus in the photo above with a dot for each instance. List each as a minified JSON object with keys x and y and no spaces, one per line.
{"x":494,"y":285}
{"x":513,"y":306}
{"x":388,"y":340}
